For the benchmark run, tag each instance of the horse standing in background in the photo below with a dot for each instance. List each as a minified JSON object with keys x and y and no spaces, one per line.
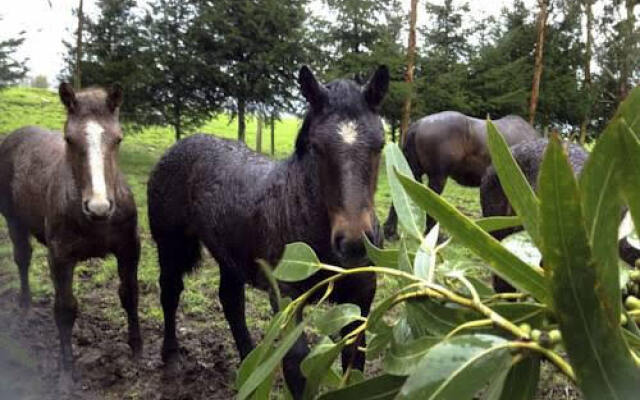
{"x":451,"y":144}
{"x":243,"y":206}
{"x":67,"y":192}
{"x":529,"y":156}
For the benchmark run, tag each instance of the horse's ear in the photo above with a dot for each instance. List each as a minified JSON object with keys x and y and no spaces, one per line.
{"x":68,"y":97}
{"x":114,"y":98}
{"x":315,"y":94}
{"x":377,"y":87}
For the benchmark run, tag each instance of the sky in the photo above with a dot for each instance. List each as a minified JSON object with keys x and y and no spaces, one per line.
{"x":48,"y":22}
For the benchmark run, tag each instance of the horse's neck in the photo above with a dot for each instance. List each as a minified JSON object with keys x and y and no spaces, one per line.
{"x":301,"y":198}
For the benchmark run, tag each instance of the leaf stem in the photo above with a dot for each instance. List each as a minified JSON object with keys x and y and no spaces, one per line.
{"x":552,"y":356}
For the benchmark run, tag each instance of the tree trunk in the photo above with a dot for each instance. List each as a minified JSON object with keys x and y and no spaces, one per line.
{"x":537,"y":72}
{"x":411,"y":56}
{"x":259,"y":135}
{"x":629,"y":26}
{"x":177,"y":118}
{"x":273,"y":135}
{"x":588,"y":9}
{"x":241,"y":120}
{"x":77,"y":79}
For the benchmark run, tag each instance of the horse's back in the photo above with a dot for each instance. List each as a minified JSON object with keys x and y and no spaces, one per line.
{"x":515,"y":130}
{"x":439,"y":138}
{"x":26,"y":158}
{"x":199,"y":175}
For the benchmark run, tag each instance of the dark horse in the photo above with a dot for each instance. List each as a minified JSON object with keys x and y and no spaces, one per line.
{"x":494,"y":202}
{"x":243,"y":206}
{"x":451,"y":144}
{"x":66,"y":191}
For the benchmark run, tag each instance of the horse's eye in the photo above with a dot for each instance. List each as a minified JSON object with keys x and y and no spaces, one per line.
{"x":118,"y":140}
{"x":67,"y":140}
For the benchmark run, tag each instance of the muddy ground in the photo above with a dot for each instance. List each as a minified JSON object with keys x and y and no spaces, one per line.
{"x":103,"y":366}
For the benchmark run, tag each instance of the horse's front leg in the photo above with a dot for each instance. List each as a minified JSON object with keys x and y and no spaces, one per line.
{"x":291,"y":363}
{"x":232,"y":297}
{"x":358,"y":290}
{"x":65,"y":311}
{"x":128,"y":256}
{"x":436,"y":183}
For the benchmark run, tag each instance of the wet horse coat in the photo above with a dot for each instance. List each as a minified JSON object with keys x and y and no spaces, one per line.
{"x":67,"y":192}
{"x":243,"y":206}
{"x":529,"y":156}
{"x":451,"y":144}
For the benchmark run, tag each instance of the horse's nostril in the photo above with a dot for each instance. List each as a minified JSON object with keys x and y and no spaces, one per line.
{"x":112,"y":206}
{"x":371,"y":236}
{"x":339,"y":242}
{"x":85,"y":207}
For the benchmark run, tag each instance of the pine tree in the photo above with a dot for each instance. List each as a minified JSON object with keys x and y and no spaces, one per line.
{"x":618,"y":58}
{"x":11,"y":70}
{"x":443,"y":71}
{"x":182,"y":88}
{"x":113,"y":52}
{"x":501,"y":71}
{"x":259,"y":45}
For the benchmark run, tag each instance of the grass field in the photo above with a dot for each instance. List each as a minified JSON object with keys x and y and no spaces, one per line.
{"x":139,"y":152}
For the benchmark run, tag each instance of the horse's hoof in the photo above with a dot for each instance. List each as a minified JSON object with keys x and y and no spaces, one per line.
{"x":172,"y":365}
{"x":136,"y":348}
{"x":24,"y":301}
{"x":65,"y":384}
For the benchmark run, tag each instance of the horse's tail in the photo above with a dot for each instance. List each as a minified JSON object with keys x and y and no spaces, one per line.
{"x":409,"y":150}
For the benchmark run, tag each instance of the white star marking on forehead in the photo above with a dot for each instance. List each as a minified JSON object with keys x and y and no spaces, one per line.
{"x":348,"y":131}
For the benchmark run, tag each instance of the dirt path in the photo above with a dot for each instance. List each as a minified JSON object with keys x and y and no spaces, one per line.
{"x":104,"y":370}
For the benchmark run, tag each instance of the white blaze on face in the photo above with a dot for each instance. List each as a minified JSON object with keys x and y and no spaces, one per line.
{"x":98,"y":203}
{"x":348,"y":131}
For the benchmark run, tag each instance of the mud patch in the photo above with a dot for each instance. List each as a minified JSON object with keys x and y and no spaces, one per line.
{"x":103,"y":366}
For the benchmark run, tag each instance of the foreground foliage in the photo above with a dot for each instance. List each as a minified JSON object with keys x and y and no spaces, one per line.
{"x":454,"y":337}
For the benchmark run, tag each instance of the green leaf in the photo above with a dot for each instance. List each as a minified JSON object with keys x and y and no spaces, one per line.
{"x":630,"y":168}
{"x":424,"y":263}
{"x":383,"y":387}
{"x":264,"y":370}
{"x":379,"y":341}
{"x":533,"y":314}
{"x":404,"y":260}
{"x":594,"y":342}
{"x":355,"y":376}
{"x":457,"y":368}
{"x":298,"y":262}
{"x":317,"y":364}
{"x":273,"y":283}
{"x":600,"y":188}
{"x":520,"y":382}
{"x":381,"y":257}
{"x":491,"y":224}
{"x":504,"y":263}
{"x":515,"y":185}
{"x":482,"y":288}
{"x":337,"y":317}
{"x":376,"y":314}
{"x":410,"y":216}
{"x":404,"y":357}
{"x":260,"y":352}
{"x":428,"y":317}
{"x":633,"y":340}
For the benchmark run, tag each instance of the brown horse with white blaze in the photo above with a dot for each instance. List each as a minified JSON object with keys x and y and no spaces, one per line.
{"x":66,"y":190}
